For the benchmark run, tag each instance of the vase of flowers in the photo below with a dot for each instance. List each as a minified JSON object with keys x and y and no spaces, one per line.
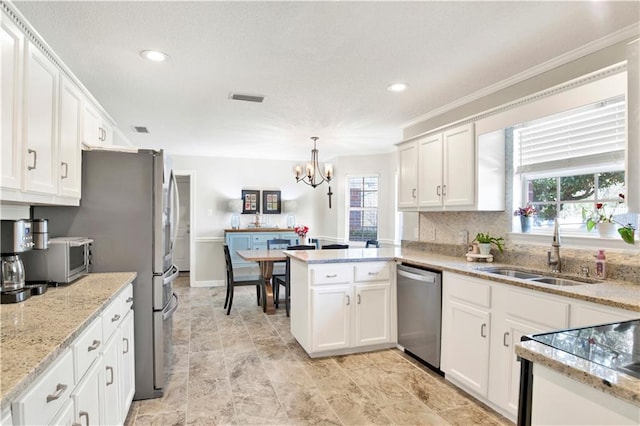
{"x":526,"y":217}
{"x":607,"y":226}
{"x":301,"y":231}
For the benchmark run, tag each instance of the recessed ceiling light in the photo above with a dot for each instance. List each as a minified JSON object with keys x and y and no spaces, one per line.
{"x":154,"y":55}
{"x":397,"y":87}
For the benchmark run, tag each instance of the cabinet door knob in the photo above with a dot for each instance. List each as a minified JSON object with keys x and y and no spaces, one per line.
{"x":110,"y":370}
{"x":66,"y":170}
{"x":482,"y":330}
{"x":84,"y":414}
{"x":93,"y":346}
{"x":504,"y":339}
{"x":58,"y":393}
{"x":35,"y":159}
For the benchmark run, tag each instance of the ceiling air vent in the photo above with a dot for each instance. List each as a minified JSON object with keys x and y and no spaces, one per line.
{"x":246,"y":98}
{"x":140,"y":129}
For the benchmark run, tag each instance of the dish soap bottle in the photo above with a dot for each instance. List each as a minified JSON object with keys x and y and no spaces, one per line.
{"x":601,"y":260}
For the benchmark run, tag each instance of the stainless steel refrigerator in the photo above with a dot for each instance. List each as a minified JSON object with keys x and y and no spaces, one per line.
{"x":129,"y":208}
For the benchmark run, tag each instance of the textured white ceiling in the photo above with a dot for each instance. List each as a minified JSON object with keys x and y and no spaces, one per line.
{"x":323,"y":66}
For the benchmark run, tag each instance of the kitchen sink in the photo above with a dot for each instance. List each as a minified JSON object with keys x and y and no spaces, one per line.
{"x":539,"y":278}
{"x":513,"y":273}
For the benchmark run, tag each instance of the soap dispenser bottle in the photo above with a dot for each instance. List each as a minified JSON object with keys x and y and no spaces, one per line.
{"x":601,"y":260}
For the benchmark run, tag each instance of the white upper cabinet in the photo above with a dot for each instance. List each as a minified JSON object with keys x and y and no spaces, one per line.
{"x":12,"y":43}
{"x":96,"y":130}
{"x":40,"y":115}
{"x":408,"y":176}
{"x":70,"y":146}
{"x":453,"y":171}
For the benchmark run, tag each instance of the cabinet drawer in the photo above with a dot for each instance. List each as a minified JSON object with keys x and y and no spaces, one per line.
{"x":538,"y":309}
{"x":374,"y":271}
{"x":470,"y":290}
{"x":112,"y":316}
{"x":87,"y":347}
{"x":263,"y":238}
{"x":46,"y":396}
{"x":127,"y":298}
{"x":331,"y":274}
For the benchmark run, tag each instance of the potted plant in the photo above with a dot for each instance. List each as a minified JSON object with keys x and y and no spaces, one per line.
{"x":606,"y":224}
{"x":485,"y":240}
{"x":526,"y":217}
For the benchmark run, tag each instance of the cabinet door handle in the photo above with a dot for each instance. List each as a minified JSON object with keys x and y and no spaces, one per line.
{"x":93,"y":346}
{"x":504,"y":339}
{"x":358,"y":298}
{"x":129,"y":299}
{"x":110,"y":370}
{"x":373,"y":273}
{"x":348,"y":300}
{"x":66,"y":170}
{"x":126,"y":341}
{"x":331,"y":275}
{"x":438,"y":190}
{"x":413,"y":193}
{"x":35,"y":159}
{"x":58,"y":393}
{"x":482,"y":330}
{"x":444,"y":190}
{"x":84,"y":414}
{"x":115,"y":318}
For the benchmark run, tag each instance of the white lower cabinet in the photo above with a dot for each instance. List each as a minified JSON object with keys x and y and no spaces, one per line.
{"x":342,"y":307}
{"x":93,"y":381}
{"x":483,"y":320}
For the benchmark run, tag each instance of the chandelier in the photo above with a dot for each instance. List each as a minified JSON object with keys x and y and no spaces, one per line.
{"x":313,"y":176}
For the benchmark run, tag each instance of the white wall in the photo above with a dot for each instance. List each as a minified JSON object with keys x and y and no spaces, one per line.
{"x":217,"y":180}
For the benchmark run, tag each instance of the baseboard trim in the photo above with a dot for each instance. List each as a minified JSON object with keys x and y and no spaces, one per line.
{"x":208,"y":283}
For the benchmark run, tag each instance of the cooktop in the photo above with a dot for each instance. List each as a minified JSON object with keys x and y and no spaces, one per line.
{"x":616,"y":345}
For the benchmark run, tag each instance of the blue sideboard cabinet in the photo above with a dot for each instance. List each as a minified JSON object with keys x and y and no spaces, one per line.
{"x":253,"y":239}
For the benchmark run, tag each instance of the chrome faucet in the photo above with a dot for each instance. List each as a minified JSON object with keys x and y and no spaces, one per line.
{"x":554,"y":260}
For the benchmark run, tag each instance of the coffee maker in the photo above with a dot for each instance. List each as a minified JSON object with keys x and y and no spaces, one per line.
{"x":15,"y":237}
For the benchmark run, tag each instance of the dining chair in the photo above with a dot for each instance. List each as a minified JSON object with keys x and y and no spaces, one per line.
{"x":278,"y":243}
{"x":232,"y":282}
{"x":278,"y":281}
{"x":335,"y":246}
{"x":315,"y":241}
{"x":372,"y":243}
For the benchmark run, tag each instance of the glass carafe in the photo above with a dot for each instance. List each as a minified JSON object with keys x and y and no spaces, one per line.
{"x":12,"y":273}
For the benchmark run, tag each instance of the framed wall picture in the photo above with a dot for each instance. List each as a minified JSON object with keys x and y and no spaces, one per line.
{"x":250,"y":201}
{"x":271,"y":202}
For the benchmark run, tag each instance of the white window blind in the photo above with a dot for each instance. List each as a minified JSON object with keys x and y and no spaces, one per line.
{"x":585,"y":136}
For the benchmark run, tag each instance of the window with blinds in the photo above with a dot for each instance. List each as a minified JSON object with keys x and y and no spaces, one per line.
{"x":362,"y":209}
{"x":593,"y":135}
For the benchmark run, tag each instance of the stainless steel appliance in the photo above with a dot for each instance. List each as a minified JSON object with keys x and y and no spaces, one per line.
{"x":16,"y":237}
{"x":66,"y":260}
{"x":420,"y":313}
{"x":129,"y":208}
{"x":40,"y":234}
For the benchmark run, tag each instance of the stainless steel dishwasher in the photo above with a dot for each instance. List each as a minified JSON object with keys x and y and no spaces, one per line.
{"x":420,"y":313}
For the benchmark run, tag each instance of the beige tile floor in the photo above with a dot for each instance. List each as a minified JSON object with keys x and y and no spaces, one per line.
{"x":246,"y":368}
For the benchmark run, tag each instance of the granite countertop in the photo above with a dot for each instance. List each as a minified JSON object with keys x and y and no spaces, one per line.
{"x":36,"y":331}
{"x":589,"y":373}
{"x":617,"y":294}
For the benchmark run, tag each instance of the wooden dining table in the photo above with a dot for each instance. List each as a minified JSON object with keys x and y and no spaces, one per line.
{"x":266,"y":259}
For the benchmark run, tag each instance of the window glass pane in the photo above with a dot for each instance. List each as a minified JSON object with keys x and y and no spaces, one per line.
{"x":543,"y":189}
{"x":362,"y":209}
{"x":610,"y":185}
{"x":580,"y":187}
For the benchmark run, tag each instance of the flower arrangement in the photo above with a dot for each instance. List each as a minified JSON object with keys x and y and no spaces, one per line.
{"x":527,"y":211}
{"x":301,"y":230}
{"x":600,"y":216}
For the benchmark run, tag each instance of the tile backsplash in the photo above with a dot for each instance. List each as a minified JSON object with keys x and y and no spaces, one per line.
{"x":447,"y":225}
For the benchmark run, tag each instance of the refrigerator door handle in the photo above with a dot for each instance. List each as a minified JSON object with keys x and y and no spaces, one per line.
{"x":175,"y":210}
{"x":172,"y":308}
{"x":174,"y":274}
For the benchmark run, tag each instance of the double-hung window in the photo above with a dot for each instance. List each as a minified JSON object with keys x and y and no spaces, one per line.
{"x":362,"y":211}
{"x":568,"y":163}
